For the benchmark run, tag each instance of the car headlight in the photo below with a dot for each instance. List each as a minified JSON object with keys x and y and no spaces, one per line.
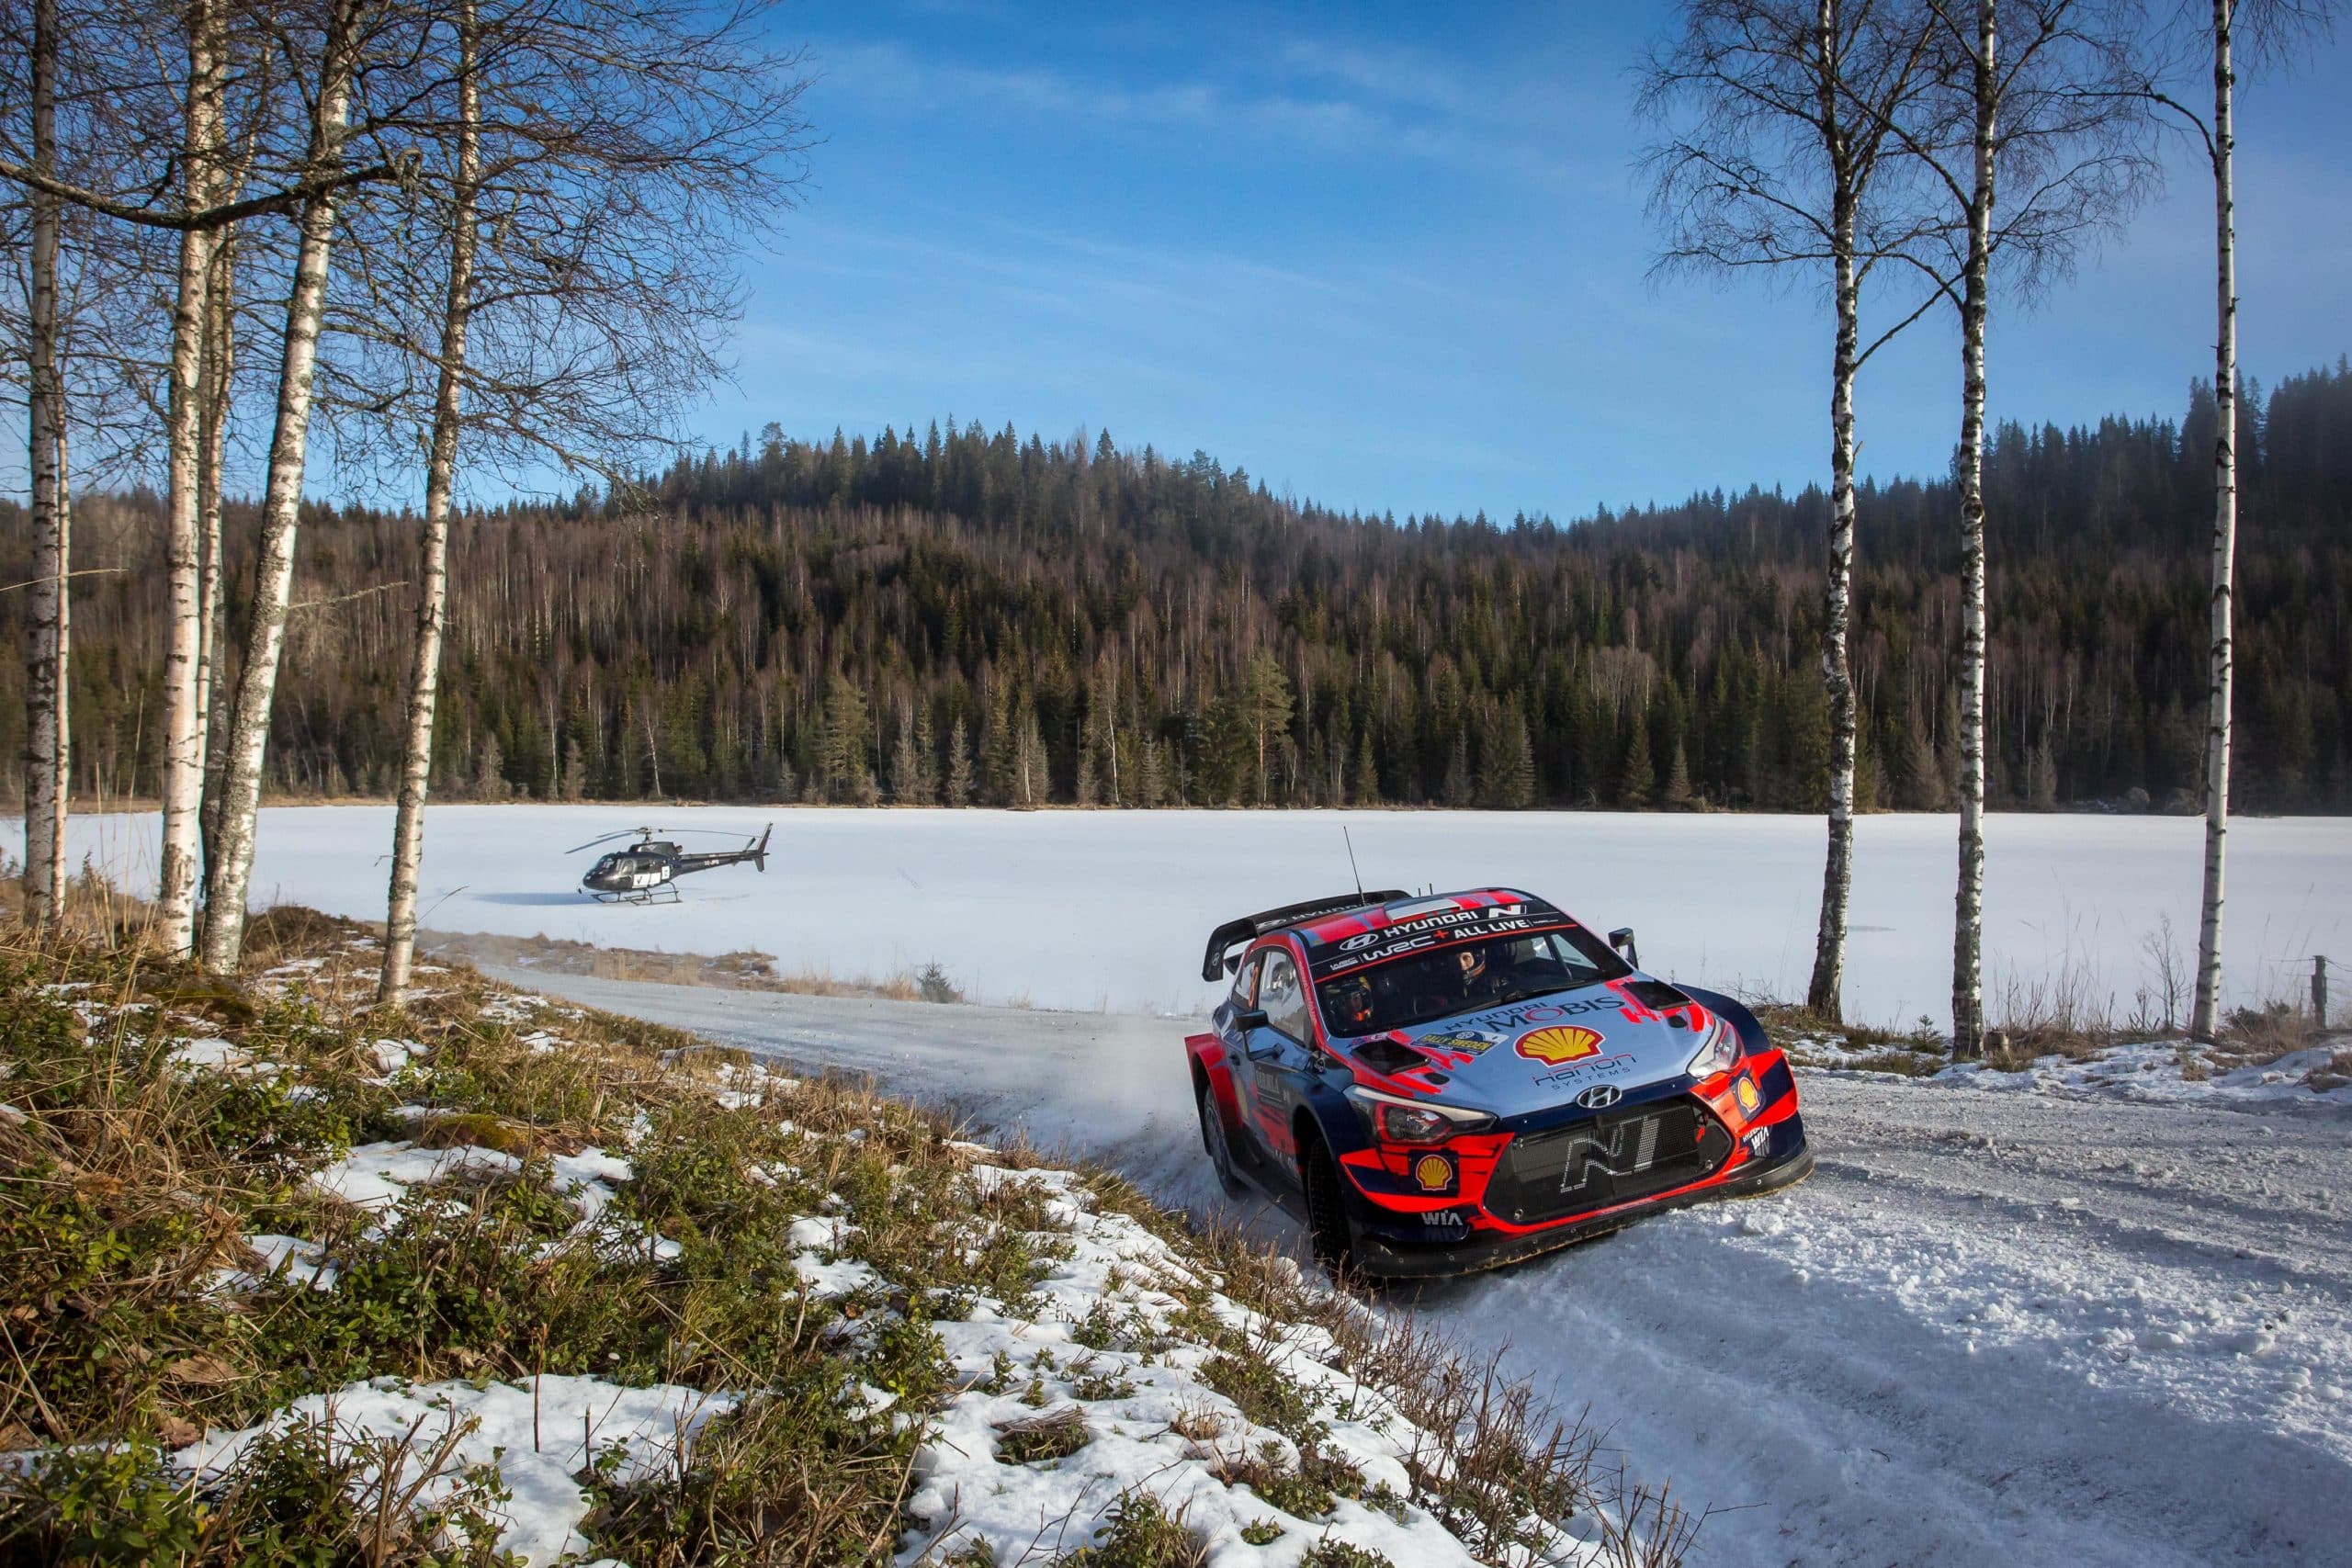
{"x":1394,"y":1119}
{"x":1717,"y":1051}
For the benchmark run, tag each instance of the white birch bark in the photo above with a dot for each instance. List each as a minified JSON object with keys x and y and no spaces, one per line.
{"x":182,"y":771}
{"x":1823,"y":995}
{"x":1968,"y":932}
{"x":47,"y":733}
{"x":2205,"y":1018}
{"x":248,"y":737}
{"x":433,"y":582}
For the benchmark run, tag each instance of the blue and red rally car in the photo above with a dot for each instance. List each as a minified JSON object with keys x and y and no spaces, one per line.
{"x":1437,"y":1084}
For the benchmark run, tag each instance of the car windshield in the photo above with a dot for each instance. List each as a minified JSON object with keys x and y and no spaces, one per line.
{"x":1425,"y":986}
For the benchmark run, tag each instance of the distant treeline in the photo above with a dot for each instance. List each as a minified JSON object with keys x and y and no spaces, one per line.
{"x":964,"y":616}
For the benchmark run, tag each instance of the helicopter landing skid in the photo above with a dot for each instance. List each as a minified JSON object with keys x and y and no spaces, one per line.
{"x":665,"y":894}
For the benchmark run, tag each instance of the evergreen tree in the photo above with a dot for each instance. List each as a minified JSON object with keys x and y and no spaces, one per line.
{"x":1455,"y":790}
{"x":841,"y":767}
{"x":1677,"y":791}
{"x":959,"y":766}
{"x":1266,"y":709}
{"x":1638,"y":779}
{"x":1364,"y":788}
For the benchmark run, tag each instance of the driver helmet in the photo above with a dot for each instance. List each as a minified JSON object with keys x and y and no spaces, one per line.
{"x":1348,"y":1001}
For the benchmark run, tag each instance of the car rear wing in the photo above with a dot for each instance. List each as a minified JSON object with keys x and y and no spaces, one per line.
{"x":1222,"y":957}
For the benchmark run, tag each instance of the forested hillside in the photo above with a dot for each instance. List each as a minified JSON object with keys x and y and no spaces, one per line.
{"x":967,"y":616}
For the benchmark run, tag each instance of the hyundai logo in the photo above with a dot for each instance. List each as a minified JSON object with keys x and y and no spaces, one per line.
{"x":1601,"y":1096}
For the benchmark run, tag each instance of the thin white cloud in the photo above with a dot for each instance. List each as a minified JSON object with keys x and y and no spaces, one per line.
{"x":1331,"y":122}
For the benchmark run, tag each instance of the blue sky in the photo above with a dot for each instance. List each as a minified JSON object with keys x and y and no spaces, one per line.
{"x":1394,"y":256}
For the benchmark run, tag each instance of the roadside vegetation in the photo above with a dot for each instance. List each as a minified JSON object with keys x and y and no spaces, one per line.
{"x":288,"y":1278}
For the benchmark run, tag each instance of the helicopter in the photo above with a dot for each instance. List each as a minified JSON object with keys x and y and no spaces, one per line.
{"x":646,"y":872}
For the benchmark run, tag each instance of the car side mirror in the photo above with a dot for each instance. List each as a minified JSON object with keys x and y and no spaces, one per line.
{"x":1622,"y":939}
{"x":1247,"y":1019}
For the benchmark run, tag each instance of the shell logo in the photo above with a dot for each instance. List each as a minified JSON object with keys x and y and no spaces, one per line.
{"x":1557,"y":1044}
{"x":1434,"y":1172}
{"x":1750,"y":1098}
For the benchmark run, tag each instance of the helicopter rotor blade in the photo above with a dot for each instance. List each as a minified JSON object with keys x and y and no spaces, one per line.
{"x":606,"y":839}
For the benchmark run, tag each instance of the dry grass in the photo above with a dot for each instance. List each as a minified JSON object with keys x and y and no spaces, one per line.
{"x":136,"y":1181}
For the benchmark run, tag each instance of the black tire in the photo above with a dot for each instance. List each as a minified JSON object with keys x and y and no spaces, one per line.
{"x":1327,"y":1225}
{"x":1213,"y":1139}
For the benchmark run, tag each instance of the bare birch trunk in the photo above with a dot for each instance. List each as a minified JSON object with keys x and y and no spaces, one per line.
{"x":2205,"y":1018}
{"x":1824,"y":994}
{"x":219,"y":362}
{"x":47,"y":735}
{"x":183,"y":774}
{"x":1968,"y":933}
{"x":248,"y":737}
{"x":433,"y":583}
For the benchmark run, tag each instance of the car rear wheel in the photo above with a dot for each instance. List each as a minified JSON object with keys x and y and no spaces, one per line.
{"x":1327,"y":1225}
{"x":1213,"y":1139}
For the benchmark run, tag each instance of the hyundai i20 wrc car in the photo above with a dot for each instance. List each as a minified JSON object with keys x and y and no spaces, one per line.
{"x":1438,"y":1085}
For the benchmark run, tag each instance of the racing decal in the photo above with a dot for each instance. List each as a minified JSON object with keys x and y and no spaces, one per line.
{"x":1627,"y":1148}
{"x":1420,"y":933}
{"x":1434,"y":1172}
{"x":1416,"y":919}
{"x":1456,"y":1044}
{"x":1590,"y":1070}
{"x":1750,"y":1099}
{"x":1502,"y":1020}
{"x":1558,"y":1045}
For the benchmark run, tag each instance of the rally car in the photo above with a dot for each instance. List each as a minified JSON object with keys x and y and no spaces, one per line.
{"x":1442,"y":1084}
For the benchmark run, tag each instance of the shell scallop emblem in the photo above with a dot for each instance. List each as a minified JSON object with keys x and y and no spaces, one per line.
{"x":1434,"y":1172}
{"x":1558,"y":1042}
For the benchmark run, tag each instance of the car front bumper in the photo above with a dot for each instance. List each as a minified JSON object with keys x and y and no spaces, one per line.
{"x":1379,"y":1257}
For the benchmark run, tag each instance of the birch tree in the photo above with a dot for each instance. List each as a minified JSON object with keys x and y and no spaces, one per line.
{"x":424,"y":669}
{"x":618,"y":156}
{"x":202,"y":175}
{"x":48,"y":765}
{"x":2033,"y":99}
{"x":340,"y":40}
{"x":2273,"y":28}
{"x":1784,"y":110}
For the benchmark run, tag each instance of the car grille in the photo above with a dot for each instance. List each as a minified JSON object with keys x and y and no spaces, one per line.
{"x":1617,"y":1157}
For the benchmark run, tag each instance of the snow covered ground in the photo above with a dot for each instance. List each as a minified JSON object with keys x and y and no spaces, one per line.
{"x":2063,"y":1323}
{"x":1109,"y":910}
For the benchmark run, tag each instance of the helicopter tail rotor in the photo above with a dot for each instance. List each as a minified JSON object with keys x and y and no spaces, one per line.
{"x":760,"y":850}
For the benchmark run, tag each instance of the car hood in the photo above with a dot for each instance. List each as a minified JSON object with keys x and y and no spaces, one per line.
{"x":1545,"y":1050}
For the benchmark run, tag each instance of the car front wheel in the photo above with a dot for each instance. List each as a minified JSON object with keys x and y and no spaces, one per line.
{"x":1327,"y":1225}
{"x":1213,"y":1139}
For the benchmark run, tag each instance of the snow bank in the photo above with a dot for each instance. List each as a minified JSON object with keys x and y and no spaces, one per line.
{"x":1149,"y":1420}
{"x":2155,"y":1071}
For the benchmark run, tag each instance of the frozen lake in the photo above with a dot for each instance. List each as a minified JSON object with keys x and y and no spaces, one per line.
{"x":1110,"y":910}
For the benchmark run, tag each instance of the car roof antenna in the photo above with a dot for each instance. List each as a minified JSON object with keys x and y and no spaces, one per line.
{"x":1350,"y":843}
